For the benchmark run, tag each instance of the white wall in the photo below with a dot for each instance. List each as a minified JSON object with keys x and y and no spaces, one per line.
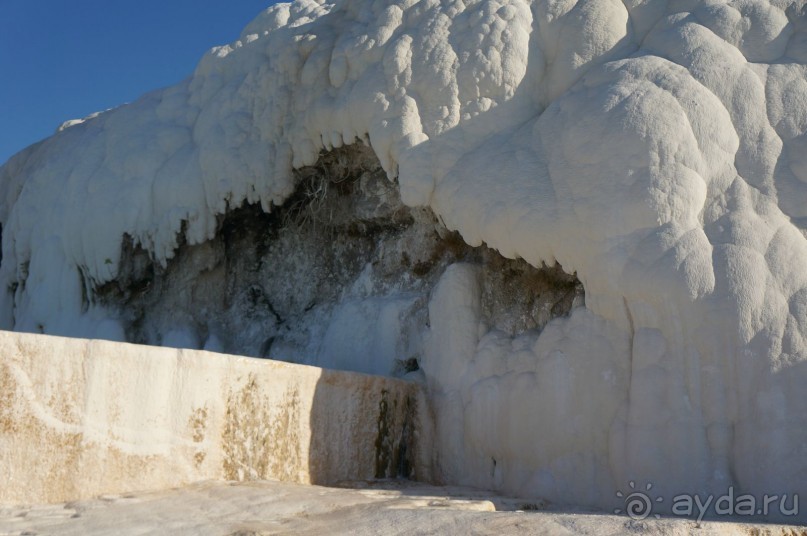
{"x":81,"y":417}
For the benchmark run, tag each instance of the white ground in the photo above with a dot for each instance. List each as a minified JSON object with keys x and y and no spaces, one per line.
{"x":392,"y":507}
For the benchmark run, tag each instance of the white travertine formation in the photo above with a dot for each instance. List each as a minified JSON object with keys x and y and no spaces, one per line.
{"x":82,"y":418}
{"x":656,"y":148}
{"x":396,"y":508}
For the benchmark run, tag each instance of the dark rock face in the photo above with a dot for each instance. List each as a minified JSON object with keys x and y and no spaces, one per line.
{"x":277,"y":284}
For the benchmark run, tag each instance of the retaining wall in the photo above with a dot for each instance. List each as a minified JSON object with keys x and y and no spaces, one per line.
{"x":79,"y":418}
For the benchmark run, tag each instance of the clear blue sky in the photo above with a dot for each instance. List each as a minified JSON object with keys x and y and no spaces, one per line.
{"x":63,"y":60}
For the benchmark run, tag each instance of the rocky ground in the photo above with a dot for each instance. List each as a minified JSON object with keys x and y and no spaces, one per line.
{"x":387,"y":507}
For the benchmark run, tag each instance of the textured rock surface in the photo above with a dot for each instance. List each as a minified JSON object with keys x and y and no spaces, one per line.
{"x":653,"y":148}
{"x":81,"y":418}
{"x":339,"y":276}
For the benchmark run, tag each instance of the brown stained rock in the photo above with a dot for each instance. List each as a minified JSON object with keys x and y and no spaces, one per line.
{"x":81,"y":418}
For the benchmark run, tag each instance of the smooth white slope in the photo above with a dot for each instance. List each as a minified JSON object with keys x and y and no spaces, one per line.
{"x":654,"y":147}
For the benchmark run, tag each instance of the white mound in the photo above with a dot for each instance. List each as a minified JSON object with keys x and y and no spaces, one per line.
{"x":656,"y":148}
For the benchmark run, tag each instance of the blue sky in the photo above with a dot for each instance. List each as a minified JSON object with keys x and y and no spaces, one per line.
{"x":63,"y":60}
